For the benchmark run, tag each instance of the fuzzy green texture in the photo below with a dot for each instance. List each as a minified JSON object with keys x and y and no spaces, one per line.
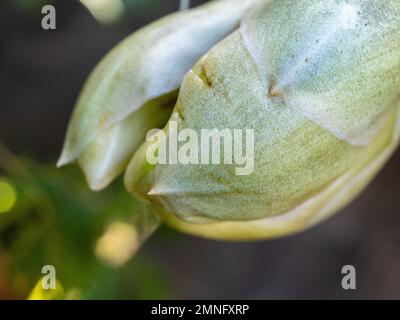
{"x":317,"y":81}
{"x":109,"y":122}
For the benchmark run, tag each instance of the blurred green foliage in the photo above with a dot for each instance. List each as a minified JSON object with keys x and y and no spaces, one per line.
{"x":48,"y":216}
{"x":57,"y":221}
{"x":30,"y":6}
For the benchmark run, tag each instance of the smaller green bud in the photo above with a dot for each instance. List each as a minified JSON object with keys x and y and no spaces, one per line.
{"x":134,"y":87}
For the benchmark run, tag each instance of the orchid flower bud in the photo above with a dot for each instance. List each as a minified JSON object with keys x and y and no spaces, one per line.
{"x":134,"y":87}
{"x":318,"y":82}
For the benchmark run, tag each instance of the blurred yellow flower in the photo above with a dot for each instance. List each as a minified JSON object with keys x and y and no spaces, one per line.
{"x":40,"y":293}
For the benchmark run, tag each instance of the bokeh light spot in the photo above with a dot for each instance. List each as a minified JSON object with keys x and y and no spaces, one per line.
{"x":8,"y":196}
{"x":118,"y":244}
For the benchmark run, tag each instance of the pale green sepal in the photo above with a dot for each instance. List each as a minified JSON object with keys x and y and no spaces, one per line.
{"x":333,"y":198}
{"x":107,"y":156}
{"x":336,"y":61}
{"x":148,"y":64}
{"x":293,"y":157}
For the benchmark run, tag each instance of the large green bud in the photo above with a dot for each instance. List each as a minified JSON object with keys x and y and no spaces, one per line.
{"x":317,"y":82}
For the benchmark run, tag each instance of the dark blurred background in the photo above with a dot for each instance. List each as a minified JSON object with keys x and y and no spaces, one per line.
{"x":56,"y":220}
